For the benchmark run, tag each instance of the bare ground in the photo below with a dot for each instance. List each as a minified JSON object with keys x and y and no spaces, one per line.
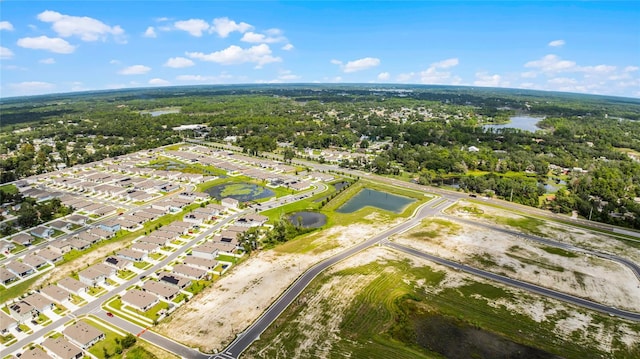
{"x":212,"y":319}
{"x":585,"y":276}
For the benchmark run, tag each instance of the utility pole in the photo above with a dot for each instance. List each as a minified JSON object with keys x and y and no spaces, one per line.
{"x":511,"y":197}
{"x":590,"y":211}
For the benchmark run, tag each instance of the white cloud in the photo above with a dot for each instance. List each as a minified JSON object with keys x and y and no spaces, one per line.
{"x":159,"y":82}
{"x":445,"y":64}
{"x":32,"y":87}
{"x":5,"y":53}
{"x":223,"y":26}
{"x":150,"y":32}
{"x":287,"y":47}
{"x":135,"y":70}
{"x":557,"y":43}
{"x":631,"y":68}
{"x":357,"y":65}
{"x":384,"y":76}
{"x":55,"y":44}
{"x":179,"y":62}
{"x":86,"y":28}
{"x":405,"y":77}
{"x":199,"y":78}
{"x":115,"y":62}
{"x":234,"y":55}
{"x":48,"y":61}
{"x":195,"y":27}
{"x":253,"y":37}
{"x":529,"y":74}
{"x":434,"y":75}
{"x":552,"y":63}
{"x":483,"y":78}
{"x":6,"y":25}
{"x":287,"y":75}
{"x":162,"y":19}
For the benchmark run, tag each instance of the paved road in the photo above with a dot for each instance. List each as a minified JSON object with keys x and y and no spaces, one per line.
{"x":635,"y":268}
{"x":518,"y":284}
{"x":244,"y":339}
{"x":95,"y":306}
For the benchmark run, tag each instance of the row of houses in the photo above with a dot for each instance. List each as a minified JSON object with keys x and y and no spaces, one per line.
{"x":16,"y":270}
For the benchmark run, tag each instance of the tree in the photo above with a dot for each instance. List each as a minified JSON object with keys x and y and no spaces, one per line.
{"x":128,"y":341}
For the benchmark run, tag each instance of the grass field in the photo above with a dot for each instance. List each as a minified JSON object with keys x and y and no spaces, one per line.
{"x":400,"y":314}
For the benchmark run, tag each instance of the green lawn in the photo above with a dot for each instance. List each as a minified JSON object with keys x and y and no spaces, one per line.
{"x":109,"y":343}
{"x":96,"y":291}
{"x":157,"y":256}
{"x":126,"y":274}
{"x":142,"y":265}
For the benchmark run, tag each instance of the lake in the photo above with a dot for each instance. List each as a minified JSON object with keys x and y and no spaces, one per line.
{"x":243,"y":192}
{"x":525,"y":123}
{"x":378,"y":199}
{"x":308,"y":219}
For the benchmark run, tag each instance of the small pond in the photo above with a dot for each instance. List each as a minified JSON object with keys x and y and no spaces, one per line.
{"x":340,"y":185}
{"x":373,"y":198}
{"x":525,"y":123}
{"x":243,"y":192}
{"x":308,"y":219}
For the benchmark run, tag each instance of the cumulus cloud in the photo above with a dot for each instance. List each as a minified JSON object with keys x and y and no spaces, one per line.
{"x":6,"y":25}
{"x":178,"y":62}
{"x":234,"y":55}
{"x":5,"y":53}
{"x":551,"y":63}
{"x":195,"y":27}
{"x":357,"y":65}
{"x":150,"y":32}
{"x":483,"y":78}
{"x":199,"y":78}
{"x":86,"y":28}
{"x":254,"y":37}
{"x":287,"y":47}
{"x":48,"y":61}
{"x":437,"y":74}
{"x":223,"y":26}
{"x":135,"y":70}
{"x":631,"y":68}
{"x":159,"y":82}
{"x":56,"y":44}
{"x":32,"y":87}
{"x":384,"y":76}
{"x":557,"y":43}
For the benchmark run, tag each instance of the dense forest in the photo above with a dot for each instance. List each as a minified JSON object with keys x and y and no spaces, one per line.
{"x":586,"y":147}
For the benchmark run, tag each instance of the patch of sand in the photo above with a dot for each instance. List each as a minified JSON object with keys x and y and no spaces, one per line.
{"x":213,"y":318}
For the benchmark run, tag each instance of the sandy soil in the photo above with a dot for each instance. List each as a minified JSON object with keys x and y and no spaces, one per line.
{"x":213,"y":318}
{"x":585,"y":276}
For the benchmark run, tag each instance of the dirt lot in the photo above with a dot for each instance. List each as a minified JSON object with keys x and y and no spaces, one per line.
{"x":585,"y":276}
{"x":215,"y":316}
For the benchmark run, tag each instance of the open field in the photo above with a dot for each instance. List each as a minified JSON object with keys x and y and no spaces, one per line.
{"x":381,"y":304}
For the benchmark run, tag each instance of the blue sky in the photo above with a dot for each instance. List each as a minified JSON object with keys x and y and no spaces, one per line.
{"x":55,"y":46}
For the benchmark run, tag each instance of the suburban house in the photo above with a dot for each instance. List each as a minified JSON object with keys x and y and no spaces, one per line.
{"x":42,"y":232}
{"x":22,"y":239}
{"x":206,"y":250}
{"x":22,"y":311}
{"x":6,"y":246}
{"x":55,"y":293}
{"x":39,"y":302}
{"x":6,"y":277}
{"x":6,"y":322}
{"x":62,"y":246}
{"x":132,"y":255}
{"x":189,"y":271}
{"x":92,"y":276}
{"x":34,"y":261}
{"x":252,"y":220}
{"x":83,"y":334}
{"x":77,"y":219}
{"x":145,"y":247}
{"x":19,"y":268}
{"x":111,"y":225}
{"x":62,"y":348}
{"x":35,"y":353}
{"x":60,"y":225}
{"x":50,"y":255}
{"x":165,"y":291}
{"x":174,"y":279}
{"x":196,"y":217}
{"x":101,"y":233}
{"x":77,"y":244}
{"x":72,"y":285}
{"x":118,"y":263}
{"x":155,"y":239}
{"x":202,"y":263}
{"x":88,"y":237}
{"x":139,"y":299}
{"x":230,"y":203}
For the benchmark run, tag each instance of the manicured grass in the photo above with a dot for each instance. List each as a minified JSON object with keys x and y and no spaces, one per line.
{"x":9,"y":189}
{"x":179,"y":298}
{"x":198,"y":286}
{"x":77,"y":300}
{"x":17,"y":290}
{"x":96,"y":291}
{"x":109,"y":343}
{"x":227,"y":258}
{"x":157,"y":256}
{"x":59,"y":309}
{"x":126,"y":274}
{"x":142,"y":265}
{"x":6,"y":338}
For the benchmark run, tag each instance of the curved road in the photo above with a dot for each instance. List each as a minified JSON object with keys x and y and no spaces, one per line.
{"x":244,"y":339}
{"x":518,"y":284}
